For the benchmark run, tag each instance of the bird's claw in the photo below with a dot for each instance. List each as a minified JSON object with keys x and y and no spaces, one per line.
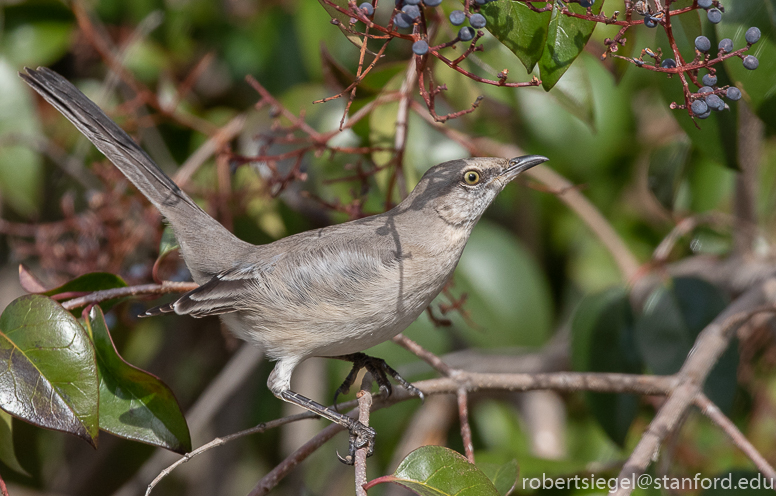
{"x":361,"y":436}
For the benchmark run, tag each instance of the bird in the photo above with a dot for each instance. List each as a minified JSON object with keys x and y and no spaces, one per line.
{"x":330,"y":292}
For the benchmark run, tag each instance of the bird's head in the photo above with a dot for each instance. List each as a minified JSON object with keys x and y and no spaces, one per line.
{"x":459,"y":191}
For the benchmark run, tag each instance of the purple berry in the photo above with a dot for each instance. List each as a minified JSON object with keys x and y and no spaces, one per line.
{"x":715,"y":103}
{"x":733,"y":93}
{"x":702,"y":44}
{"x":412,"y":2}
{"x":699,"y":107}
{"x":466,"y":33}
{"x":668,"y":64}
{"x":704,"y":4}
{"x":650,"y":22}
{"x":367,"y":8}
{"x":412,"y":11}
{"x":726,"y":45}
{"x":752,"y":35}
{"x":709,"y":80}
{"x":457,"y":17}
{"x":751,"y":62}
{"x":706,"y":89}
{"x":402,"y":20}
{"x":586,"y":3}
{"x":477,"y":21}
{"x":704,"y":115}
{"x":420,"y":47}
{"x":714,"y":15}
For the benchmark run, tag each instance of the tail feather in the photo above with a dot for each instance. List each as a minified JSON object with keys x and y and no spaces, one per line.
{"x":205,"y":244}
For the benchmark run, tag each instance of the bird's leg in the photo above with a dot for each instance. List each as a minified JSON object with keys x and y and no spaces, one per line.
{"x":379,"y":370}
{"x":360,"y":435}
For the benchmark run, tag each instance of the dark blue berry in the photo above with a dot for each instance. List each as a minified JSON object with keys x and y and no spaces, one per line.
{"x":699,"y":107}
{"x":704,"y":115}
{"x":586,"y":3}
{"x":420,"y":47}
{"x":715,"y":103}
{"x":704,"y":4}
{"x":367,"y":8}
{"x":477,"y":21}
{"x":751,"y":62}
{"x":714,"y":15}
{"x":733,"y":93}
{"x":412,"y":11}
{"x":668,"y":64}
{"x":726,"y":45}
{"x":466,"y":33}
{"x":457,"y":17}
{"x":702,"y":44}
{"x":432,"y":3}
{"x":709,"y":80}
{"x":650,"y":22}
{"x":412,"y":2}
{"x":402,"y":20}
{"x":752,"y":35}
{"x":706,"y":89}
{"x":480,"y":2}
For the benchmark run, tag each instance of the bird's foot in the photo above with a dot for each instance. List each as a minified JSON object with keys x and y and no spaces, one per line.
{"x":361,"y":436}
{"x":379,"y":370}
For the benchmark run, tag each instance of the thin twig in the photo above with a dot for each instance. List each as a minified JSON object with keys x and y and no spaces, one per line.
{"x":466,"y":429}
{"x":140,"y":290}
{"x":728,"y":427}
{"x":364,"y":407}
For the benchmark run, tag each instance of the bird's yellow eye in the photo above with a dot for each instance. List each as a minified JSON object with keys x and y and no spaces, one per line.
{"x":471,"y":177}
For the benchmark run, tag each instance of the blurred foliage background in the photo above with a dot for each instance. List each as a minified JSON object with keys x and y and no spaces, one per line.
{"x":530,"y":262}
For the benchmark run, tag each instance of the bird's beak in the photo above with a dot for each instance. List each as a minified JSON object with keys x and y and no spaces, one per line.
{"x":520,"y":164}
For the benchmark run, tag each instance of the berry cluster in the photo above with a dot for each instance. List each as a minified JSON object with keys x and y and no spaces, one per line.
{"x":708,"y":96}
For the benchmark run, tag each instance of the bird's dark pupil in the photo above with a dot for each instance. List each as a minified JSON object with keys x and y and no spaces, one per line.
{"x":472,"y":177}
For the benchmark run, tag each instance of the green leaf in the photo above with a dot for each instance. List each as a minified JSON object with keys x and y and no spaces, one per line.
{"x":51,"y":375}
{"x":344,"y":20}
{"x":504,"y":477}
{"x":168,"y":243}
{"x":519,"y":28}
{"x":566,"y":38}
{"x":133,"y":403}
{"x":673,"y":317}
{"x":439,"y":471}
{"x":602,"y":340}
{"x":666,"y":171}
{"x":7,"y":453}
{"x":88,"y":283}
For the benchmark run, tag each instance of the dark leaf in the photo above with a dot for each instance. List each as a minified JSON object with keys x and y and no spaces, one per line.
{"x":519,"y":28}
{"x":666,"y":170}
{"x":51,"y":375}
{"x":7,"y":453}
{"x":673,"y":317}
{"x":439,"y":471}
{"x":88,"y":283}
{"x":133,"y":403}
{"x":566,"y":38}
{"x":603,"y":341}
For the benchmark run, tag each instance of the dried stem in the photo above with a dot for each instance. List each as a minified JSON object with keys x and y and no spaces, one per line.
{"x":466,"y":429}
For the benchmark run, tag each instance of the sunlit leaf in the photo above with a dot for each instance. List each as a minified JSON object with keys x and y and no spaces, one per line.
{"x":504,"y":477}
{"x":133,"y":403}
{"x":51,"y":374}
{"x":439,"y":471}
{"x":7,"y":453}
{"x":603,"y":341}
{"x":168,"y":242}
{"x":344,"y":20}
{"x":566,"y":38}
{"x":519,"y":28}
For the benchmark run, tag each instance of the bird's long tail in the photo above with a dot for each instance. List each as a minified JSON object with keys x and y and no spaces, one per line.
{"x":205,"y":244}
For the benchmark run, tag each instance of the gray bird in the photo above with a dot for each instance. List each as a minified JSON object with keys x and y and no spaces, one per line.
{"x":330,"y":292}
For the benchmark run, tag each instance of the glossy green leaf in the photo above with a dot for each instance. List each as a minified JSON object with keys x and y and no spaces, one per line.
{"x":566,"y":38}
{"x":439,"y":471}
{"x":673,"y":317}
{"x":602,"y":340}
{"x":7,"y":452}
{"x":504,"y":477}
{"x":133,"y":403}
{"x":519,"y":28}
{"x":342,"y":18}
{"x":51,"y":374}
